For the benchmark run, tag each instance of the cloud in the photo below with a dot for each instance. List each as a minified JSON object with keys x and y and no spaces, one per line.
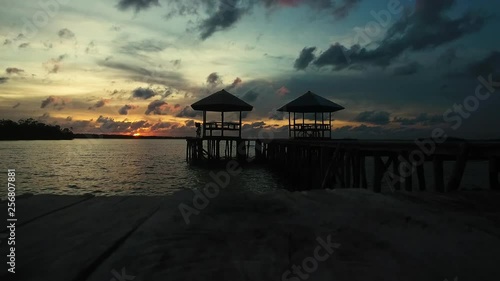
{"x":124,"y":109}
{"x":407,"y":69}
{"x":485,"y":66}
{"x":138,"y":5}
{"x":423,"y":118}
{"x":4,"y":80}
{"x":108,"y":125}
{"x":157,"y":107}
{"x":225,"y":14}
{"x":373,"y":117}
{"x":99,"y":104}
{"x":142,"y":74}
{"x":188,"y":112}
{"x":283,"y":91}
{"x":66,"y":34}
{"x":53,"y":65}
{"x":13,"y":70}
{"x":147,"y":46}
{"x":447,"y":57}
{"x":213,"y":79}
{"x":305,"y":58}
{"x":24,"y":45}
{"x":427,"y":28}
{"x":16,"y":105}
{"x":143,"y":93}
{"x":235,"y":83}
{"x":250,"y":96}
{"x":56,"y":102}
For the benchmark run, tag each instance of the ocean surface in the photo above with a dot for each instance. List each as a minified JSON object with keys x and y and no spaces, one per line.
{"x":143,"y":167}
{"x":113,"y":167}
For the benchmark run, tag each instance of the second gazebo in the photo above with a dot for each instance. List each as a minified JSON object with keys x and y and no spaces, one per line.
{"x":310,"y":103}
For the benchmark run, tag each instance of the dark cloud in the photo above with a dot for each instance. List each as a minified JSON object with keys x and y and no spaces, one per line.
{"x":13,"y":70}
{"x":276,"y":115}
{"x":235,"y":83}
{"x":137,"y":5}
{"x":53,"y":65}
{"x":250,"y":96}
{"x":66,"y":33}
{"x":486,"y":66}
{"x":423,"y":119}
{"x":69,"y":118}
{"x":141,"y":74}
{"x":427,"y":28}
{"x":56,"y":102}
{"x":157,"y":107}
{"x":373,"y":117}
{"x":407,"y":69}
{"x":188,"y":112}
{"x":190,"y":123}
{"x":24,"y":45}
{"x":4,"y":80}
{"x":16,"y":105}
{"x":147,"y":46}
{"x":108,"y":125}
{"x":305,"y":58}
{"x":124,"y":109}
{"x":99,"y":104}
{"x":214,"y":80}
{"x":7,"y":42}
{"x":227,"y":14}
{"x":143,"y":93}
{"x":447,"y":57}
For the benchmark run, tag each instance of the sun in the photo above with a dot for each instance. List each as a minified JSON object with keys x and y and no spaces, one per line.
{"x":136,"y":135}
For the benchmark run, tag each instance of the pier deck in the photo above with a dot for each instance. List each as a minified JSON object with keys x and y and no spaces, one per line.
{"x":245,"y":236}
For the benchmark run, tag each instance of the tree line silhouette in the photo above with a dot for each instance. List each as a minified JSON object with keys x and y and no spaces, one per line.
{"x":30,"y":129}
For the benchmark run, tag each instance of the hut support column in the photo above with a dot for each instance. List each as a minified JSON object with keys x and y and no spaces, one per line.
{"x":239,"y":133}
{"x":204,"y":123}
{"x":289,"y":125}
{"x":222,"y":129}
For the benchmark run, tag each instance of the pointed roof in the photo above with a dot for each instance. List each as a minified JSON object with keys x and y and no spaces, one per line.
{"x":310,"y":102}
{"x":222,"y":101}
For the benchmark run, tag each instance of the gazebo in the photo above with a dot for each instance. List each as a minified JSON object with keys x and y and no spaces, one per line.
{"x":310,"y":103}
{"x":221,"y":101}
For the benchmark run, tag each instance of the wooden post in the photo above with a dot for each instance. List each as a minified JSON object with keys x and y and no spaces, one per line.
{"x":438,"y":174}
{"x":364,"y":182}
{"x":289,"y":125}
{"x":348,"y":169}
{"x":239,"y":135}
{"x":330,"y":125}
{"x":356,"y":169}
{"x":395,"y":170}
{"x":493,"y":171}
{"x":458,"y":169}
{"x":421,"y":177}
{"x":222,"y":124}
{"x":204,"y":123}
{"x":378,"y":172}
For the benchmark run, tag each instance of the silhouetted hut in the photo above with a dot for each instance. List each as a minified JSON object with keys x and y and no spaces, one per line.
{"x":222,"y":102}
{"x":310,"y":103}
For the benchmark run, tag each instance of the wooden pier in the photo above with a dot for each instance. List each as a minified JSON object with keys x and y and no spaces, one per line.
{"x":319,"y":164}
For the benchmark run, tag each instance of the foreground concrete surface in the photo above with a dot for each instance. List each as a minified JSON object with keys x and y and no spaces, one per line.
{"x":245,"y":236}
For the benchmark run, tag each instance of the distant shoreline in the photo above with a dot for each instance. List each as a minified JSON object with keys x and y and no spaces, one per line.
{"x":96,"y":136}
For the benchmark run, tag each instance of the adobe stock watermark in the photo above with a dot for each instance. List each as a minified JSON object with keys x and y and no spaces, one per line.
{"x":220,"y":180}
{"x":373,"y":29}
{"x":310,"y":264}
{"x":455,"y":115}
{"x":121,"y":276}
{"x":47,"y":10}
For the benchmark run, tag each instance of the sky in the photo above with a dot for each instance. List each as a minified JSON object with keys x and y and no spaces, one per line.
{"x":400,"y":68}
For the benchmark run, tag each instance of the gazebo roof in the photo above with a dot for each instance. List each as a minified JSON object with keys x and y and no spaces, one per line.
{"x":310,"y":102}
{"x":222,"y":101}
